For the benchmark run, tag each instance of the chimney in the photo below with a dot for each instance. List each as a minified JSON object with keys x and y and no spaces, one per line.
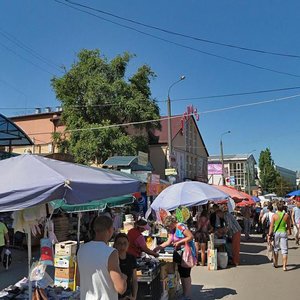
{"x":37,"y":110}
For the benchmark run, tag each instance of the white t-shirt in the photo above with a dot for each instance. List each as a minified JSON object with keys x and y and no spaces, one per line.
{"x":95,"y":280}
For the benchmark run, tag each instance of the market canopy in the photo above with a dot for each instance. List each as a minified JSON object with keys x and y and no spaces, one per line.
{"x":27,"y":180}
{"x":11,"y":134}
{"x":189,"y":193}
{"x":294,"y":193}
{"x":93,"y":205}
{"x":233,"y":193}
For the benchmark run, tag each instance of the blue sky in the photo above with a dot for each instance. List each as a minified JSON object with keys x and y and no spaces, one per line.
{"x":57,"y":33}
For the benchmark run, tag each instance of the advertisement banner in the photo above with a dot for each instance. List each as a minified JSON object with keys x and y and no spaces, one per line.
{"x":214,"y":169}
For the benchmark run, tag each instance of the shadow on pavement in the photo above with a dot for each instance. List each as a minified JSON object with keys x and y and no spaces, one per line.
{"x":249,"y":259}
{"x":293,"y":267}
{"x":214,"y":293}
{"x":249,"y":248}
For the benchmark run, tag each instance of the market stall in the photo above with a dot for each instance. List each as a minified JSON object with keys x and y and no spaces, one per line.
{"x":39,"y":180}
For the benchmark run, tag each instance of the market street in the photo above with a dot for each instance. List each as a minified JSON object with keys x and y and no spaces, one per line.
{"x":254,"y":278}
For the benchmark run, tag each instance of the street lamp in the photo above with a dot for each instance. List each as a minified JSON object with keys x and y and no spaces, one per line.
{"x":248,"y":171}
{"x":169,"y":119}
{"x":222,"y":156}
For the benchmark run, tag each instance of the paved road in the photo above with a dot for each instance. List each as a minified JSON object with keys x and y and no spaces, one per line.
{"x":254,"y":279}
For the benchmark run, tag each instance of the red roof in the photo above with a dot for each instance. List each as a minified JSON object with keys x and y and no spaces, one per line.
{"x":163,"y":133}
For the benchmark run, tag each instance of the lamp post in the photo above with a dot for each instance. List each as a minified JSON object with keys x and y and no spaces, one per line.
{"x":222,"y":156}
{"x":248,"y":171}
{"x":169,"y":119}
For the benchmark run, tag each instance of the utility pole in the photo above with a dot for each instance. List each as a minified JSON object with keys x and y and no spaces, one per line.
{"x":169,"y":120}
{"x":222,"y":155}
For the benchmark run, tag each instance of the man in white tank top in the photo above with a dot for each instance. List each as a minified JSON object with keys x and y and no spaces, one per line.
{"x":98,"y":265}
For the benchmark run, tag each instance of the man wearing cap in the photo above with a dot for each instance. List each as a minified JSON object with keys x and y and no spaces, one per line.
{"x":137,"y":243}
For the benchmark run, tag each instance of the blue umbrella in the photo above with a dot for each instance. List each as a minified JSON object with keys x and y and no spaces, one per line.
{"x":256,"y":199}
{"x":189,"y":193}
{"x":28,"y":180}
{"x":294,"y":193}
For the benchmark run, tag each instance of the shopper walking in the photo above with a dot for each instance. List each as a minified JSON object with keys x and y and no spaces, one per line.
{"x":99,"y":274}
{"x":234,"y":232}
{"x":296,"y":221}
{"x":280,"y":227}
{"x":4,"y":238}
{"x":202,"y":235}
{"x":247,"y":213}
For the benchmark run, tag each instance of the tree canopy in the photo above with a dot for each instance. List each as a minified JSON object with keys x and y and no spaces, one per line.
{"x":268,"y":174}
{"x":95,"y":93}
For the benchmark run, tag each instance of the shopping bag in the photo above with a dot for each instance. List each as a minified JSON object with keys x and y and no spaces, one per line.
{"x":46,"y":252}
{"x":270,"y":250}
{"x":6,"y":259}
{"x":188,"y":259}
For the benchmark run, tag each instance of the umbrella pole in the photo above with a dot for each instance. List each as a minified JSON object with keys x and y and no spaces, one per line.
{"x":29,"y":262}
{"x":78,"y":229}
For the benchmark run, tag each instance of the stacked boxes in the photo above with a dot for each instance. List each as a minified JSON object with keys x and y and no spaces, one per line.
{"x":64,"y":263}
{"x":169,"y":278}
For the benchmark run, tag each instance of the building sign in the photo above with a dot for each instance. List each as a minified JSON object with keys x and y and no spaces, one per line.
{"x":142,"y":158}
{"x":214,"y":169}
{"x":190,"y":111}
{"x":170,"y":172}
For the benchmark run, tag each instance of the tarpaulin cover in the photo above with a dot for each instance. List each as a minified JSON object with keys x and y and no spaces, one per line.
{"x":233,"y":193}
{"x":93,"y":205}
{"x":294,"y":193}
{"x":27,"y":180}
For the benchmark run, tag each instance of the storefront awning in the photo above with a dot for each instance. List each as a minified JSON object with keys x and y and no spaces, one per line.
{"x":11,"y":134}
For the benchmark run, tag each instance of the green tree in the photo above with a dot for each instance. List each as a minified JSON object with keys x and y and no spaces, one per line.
{"x":94,"y":93}
{"x":268,"y":174}
{"x":283,"y":187}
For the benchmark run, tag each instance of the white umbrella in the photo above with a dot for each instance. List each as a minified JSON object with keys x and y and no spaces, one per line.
{"x":188,"y":193}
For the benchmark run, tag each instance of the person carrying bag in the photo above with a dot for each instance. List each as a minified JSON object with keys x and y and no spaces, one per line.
{"x":278,"y":233}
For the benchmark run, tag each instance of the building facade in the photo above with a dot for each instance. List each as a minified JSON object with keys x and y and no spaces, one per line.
{"x":239,"y":171}
{"x":40,"y":128}
{"x":288,"y":175}
{"x":189,"y":156}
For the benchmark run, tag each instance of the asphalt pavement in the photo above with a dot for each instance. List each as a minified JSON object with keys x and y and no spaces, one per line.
{"x":254,"y":279}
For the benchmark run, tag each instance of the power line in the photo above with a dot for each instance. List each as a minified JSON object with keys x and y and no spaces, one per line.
{"x":181,"y":45}
{"x":34,"y":53}
{"x":184,"y":35}
{"x":160,"y":101}
{"x":26,"y":59}
{"x":175,"y":117}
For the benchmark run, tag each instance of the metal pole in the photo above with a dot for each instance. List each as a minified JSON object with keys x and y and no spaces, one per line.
{"x":169,"y":120}
{"x":169,"y":131}
{"x":222,"y":160}
{"x":248,"y":177}
{"x":222,"y":155}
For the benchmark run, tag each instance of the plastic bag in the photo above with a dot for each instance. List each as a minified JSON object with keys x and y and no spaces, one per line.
{"x":7,"y":259}
{"x":188,"y":259}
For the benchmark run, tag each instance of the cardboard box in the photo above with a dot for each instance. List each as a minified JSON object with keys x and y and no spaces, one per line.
{"x":65,"y":283}
{"x":66,"y":248}
{"x":64,"y":261}
{"x":64,"y":273}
